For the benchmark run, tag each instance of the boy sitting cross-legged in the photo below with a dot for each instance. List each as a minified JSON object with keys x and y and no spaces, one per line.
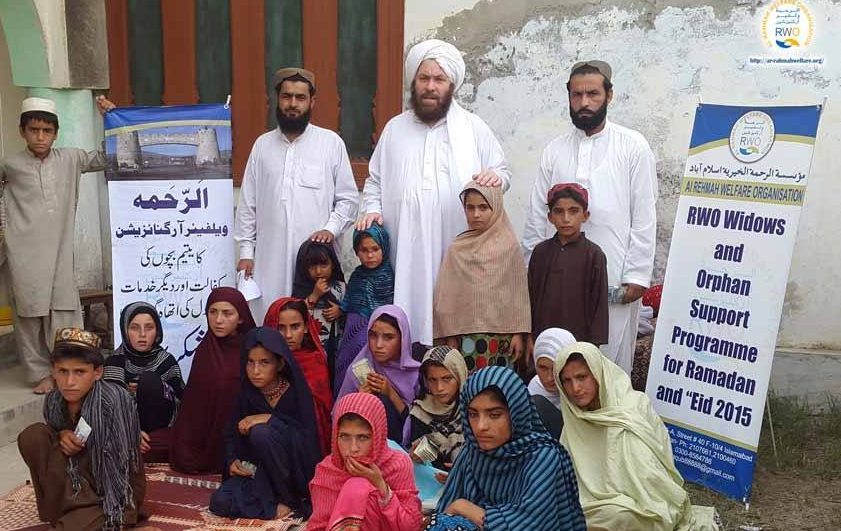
{"x":85,"y":460}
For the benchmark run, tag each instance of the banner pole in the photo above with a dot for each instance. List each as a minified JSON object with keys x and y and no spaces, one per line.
{"x":773,"y":438}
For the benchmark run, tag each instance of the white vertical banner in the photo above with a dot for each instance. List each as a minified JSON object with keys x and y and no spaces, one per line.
{"x":171,"y":202}
{"x":735,"y":227}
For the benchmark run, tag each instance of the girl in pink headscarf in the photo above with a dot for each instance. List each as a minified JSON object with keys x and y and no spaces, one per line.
{"x":363,"y":485}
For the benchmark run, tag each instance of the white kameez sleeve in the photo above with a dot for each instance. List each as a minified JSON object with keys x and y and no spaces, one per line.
{"x":372,"y":193}
{"x":639,"y":262}
{"x":245,"y":224}
{"x":345,"y":194}
{"x":491,"y":155}
{"x":93,"y":160}
{"x":535,"y":231}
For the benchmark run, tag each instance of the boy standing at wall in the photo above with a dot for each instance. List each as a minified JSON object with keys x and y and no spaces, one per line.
{"x":41,"y":190}
{"x":568,"y":273}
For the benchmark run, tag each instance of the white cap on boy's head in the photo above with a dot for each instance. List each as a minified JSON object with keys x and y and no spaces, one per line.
{"x":38,"y":104}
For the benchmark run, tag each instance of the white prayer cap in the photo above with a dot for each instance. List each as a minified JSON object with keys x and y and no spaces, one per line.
{"x":445,"y":54}
{"x":38,"y":104}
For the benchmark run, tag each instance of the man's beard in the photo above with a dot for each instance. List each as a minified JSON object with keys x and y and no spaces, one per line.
{"x":294,"y":125}
{"x":588,"y":123}
{"x":427,"y":115}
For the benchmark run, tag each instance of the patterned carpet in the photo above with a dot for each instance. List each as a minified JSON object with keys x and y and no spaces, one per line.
{"x":175,"y":501}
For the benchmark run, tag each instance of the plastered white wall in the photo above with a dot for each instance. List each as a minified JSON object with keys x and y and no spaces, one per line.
{"x":665,"y":58}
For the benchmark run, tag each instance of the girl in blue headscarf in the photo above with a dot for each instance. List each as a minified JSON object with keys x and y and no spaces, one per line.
{"x":371,"y":285}
{"x":511,"y":474}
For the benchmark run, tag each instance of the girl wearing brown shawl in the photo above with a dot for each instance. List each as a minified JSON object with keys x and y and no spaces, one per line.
{"x":484,"y":260}
{"x":213,"y":387}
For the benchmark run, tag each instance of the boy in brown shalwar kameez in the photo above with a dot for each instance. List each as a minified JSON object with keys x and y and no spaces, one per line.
{"x":568,"y":272}
{"x":85,"y":461}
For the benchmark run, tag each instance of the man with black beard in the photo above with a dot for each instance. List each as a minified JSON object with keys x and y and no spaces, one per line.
{"x":617,"y":167}
{"x":297,"y":185}
{"x":421,"y":163}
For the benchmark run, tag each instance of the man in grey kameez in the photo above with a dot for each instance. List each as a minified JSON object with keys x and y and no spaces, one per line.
{"x":41,"y":189}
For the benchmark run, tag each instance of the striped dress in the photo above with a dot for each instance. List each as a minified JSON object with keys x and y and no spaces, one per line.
{"x":124,"y":368}
{"x":527,"y":483}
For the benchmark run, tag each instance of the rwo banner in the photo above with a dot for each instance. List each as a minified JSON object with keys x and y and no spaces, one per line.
{"x":730,"y":255}
{"x":171,"y":201}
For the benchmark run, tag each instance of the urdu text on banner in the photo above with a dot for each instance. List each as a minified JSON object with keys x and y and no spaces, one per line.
{"x":171,"y":201}
{"x":735,"y":227}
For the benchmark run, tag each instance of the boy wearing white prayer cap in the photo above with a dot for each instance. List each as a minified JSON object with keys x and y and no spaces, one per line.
{"x":40,"y":190}
{"x":421,"y":163}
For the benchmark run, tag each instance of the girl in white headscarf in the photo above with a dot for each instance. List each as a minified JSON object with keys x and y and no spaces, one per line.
{"x":544,"y":393}
{"x":546,"y":348}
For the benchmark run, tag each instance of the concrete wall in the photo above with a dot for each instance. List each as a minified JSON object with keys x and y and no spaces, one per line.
{"x":666,"y":55}
{"x":37,"y":53}
{"x":10,"y":99}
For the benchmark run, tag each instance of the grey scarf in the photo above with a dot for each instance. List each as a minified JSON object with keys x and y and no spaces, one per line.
{"x":114,"y":445}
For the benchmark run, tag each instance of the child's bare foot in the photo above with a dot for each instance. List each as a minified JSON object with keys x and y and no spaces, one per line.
{"x":44,"y":386}
{"x":282,"y":511}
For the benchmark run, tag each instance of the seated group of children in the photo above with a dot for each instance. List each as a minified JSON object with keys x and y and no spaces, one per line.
{"x":297,"y":414}
{"x":502,"y":469}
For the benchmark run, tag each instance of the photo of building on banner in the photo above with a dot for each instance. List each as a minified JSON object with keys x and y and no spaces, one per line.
{"x":171,"y":201}
{"x":734,"y":233}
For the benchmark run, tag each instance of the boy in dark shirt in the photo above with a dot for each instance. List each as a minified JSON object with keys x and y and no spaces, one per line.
{"x":568,"y":272}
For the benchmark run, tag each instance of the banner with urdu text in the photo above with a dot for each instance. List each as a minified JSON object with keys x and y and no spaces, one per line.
{"x":730,"y":255}
{"x":171,"y":201}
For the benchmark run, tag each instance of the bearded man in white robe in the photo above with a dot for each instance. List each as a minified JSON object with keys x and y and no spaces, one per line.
{"x":298,"y":185}
{"x":422,"y":161}
{"x":618,"y":168}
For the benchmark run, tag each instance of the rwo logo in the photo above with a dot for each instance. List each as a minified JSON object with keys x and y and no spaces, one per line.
{"x":787,"y":24}
{"x":752,"y":136}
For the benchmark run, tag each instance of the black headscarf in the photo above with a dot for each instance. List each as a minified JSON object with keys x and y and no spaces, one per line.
{"x":130,"y":312}
{"x":303,"y":285}
{"x":295,"y":407}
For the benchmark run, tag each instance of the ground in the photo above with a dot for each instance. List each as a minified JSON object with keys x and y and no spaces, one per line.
{"x":800,"y":489}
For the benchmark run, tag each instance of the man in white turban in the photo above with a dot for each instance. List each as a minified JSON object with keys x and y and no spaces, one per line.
{"x":420,"y":165}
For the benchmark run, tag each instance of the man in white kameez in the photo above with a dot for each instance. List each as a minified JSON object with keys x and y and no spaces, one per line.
{"x":40,"y":194}
{"x":422,"y":161}
{"x":298,"y":185}
{"x":617,"y":167}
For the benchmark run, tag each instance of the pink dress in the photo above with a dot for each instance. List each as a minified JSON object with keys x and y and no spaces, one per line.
{"x":341,"y":501}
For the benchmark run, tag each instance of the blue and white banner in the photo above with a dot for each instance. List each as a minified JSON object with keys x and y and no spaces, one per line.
{"x":171,"y":201}
{"x":730,"y":255}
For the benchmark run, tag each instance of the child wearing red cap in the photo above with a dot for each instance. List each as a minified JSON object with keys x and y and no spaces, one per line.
{"x":568,"y":273}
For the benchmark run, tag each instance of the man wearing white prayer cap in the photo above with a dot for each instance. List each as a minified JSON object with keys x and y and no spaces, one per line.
{"x":40,"y":189}
{"x":422,"y":161}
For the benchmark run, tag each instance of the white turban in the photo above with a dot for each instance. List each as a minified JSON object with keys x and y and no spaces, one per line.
{"x":445,"y":54}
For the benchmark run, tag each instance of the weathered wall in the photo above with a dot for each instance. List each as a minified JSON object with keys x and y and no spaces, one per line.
{"x":10,"y":100}
{"x":36,"y":55}
{"x":666,"y":55}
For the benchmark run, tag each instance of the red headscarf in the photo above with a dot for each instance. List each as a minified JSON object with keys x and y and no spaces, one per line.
{"x":313,"y":363}
{"x":331,"y":475}
{"x":212,"y":390}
